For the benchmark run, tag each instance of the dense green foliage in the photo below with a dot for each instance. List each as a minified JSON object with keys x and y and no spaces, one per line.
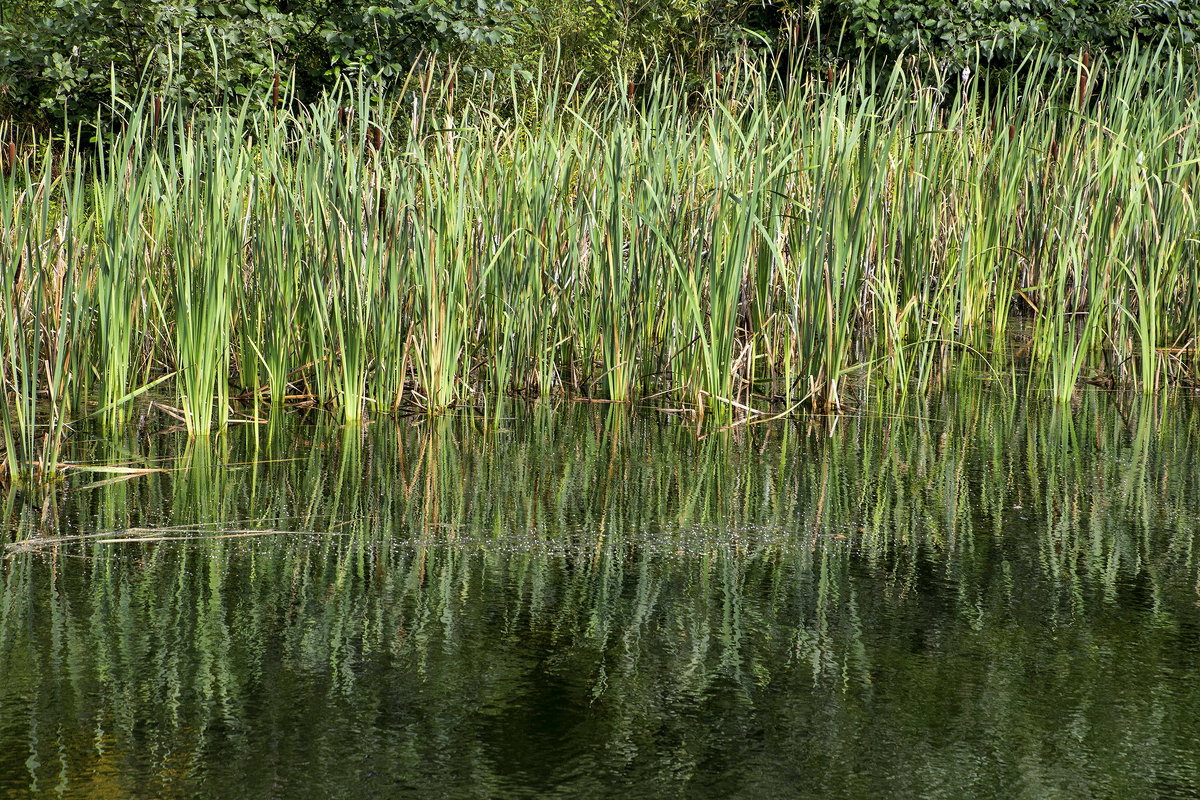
{"x":68,"y":56}
{"x":1004,"y":31}
{"x":72,"y":54}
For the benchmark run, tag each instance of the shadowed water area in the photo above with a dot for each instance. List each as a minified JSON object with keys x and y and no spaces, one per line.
{"x":983,"y":597}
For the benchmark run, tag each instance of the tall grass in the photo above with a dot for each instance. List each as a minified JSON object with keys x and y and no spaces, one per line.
{"x":762,"y":242}
{"x":45,"y":312}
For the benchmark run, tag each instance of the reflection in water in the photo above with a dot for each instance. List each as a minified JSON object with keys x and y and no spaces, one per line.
{"x":979,"y":599}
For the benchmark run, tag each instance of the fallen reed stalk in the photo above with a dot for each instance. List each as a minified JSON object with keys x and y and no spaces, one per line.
{"x":151,"y":535}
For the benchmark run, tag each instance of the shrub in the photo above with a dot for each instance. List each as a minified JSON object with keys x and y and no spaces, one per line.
{"x":1004,"y":31}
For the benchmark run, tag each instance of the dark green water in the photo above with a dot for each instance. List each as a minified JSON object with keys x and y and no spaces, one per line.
{"x":984,"y":599}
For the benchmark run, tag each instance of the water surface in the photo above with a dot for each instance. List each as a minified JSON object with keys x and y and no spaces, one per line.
{"x":984,"y":598}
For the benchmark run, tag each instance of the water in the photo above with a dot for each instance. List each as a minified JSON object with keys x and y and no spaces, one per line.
{"x":984,"y":598}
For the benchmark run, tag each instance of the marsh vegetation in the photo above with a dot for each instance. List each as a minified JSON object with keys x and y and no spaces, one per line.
{"x":567,"y":399}
{"x":775,"y":242}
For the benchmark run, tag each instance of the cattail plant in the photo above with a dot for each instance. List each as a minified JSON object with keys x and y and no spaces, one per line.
{"x":820,"y":241}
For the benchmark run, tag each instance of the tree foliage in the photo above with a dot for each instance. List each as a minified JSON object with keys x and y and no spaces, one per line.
{"x":65,"y":58}
{"x":1005,"y":30}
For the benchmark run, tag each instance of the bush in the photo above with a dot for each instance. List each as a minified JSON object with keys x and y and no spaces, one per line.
{"x":67,"y":57}
{"x":1003,"y":31}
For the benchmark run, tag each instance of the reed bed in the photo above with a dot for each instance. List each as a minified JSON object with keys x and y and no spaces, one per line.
{"x":764,"y":245}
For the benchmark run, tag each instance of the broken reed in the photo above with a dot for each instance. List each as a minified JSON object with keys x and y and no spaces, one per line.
{"x":765,"y":244}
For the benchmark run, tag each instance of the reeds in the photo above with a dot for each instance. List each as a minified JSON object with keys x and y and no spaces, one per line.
{"x":763,"y":244}
{"x":45,"y":313}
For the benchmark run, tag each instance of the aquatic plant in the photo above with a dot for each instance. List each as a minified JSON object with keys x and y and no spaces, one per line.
{"x":821,"y":241}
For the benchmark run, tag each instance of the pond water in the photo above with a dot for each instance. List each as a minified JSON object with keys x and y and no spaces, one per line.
{"x":984,"y":597}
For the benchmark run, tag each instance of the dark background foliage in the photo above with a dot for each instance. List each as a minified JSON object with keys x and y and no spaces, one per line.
{"x":64,"y":58}
{"x":1005,"y":30}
